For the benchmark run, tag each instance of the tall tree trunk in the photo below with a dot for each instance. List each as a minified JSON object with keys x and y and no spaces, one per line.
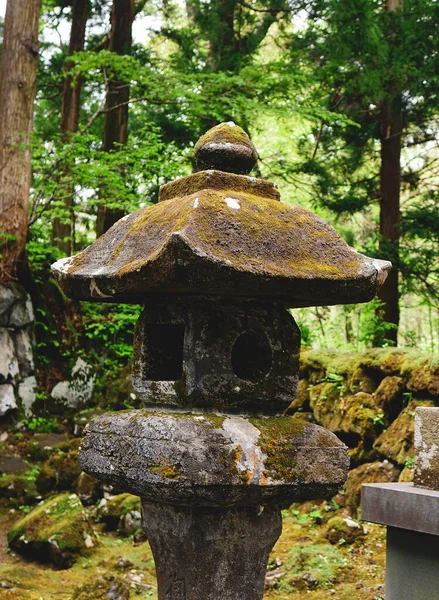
{"x":391,"y":129}
{"x":63,"y":229}
{"x":18,"y":75}
{"x":115,"y":132}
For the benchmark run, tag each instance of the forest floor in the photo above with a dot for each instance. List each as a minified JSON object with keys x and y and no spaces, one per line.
{"x":303,"y":564}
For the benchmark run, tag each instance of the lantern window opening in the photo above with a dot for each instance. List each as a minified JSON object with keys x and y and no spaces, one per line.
{"x":251,"y":356}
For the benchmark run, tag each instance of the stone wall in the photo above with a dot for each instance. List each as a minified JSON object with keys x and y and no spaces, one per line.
{"x":17,"y":372}
{"x":369,"y":399}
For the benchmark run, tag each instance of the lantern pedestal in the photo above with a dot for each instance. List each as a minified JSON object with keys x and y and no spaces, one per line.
{"x":214,"y":554}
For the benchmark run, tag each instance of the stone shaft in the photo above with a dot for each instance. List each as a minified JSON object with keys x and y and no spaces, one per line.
{"x":426,"y":473}
{"x":209,"y":554}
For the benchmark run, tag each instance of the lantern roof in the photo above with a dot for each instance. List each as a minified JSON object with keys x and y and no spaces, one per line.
{"x":221,"y":232}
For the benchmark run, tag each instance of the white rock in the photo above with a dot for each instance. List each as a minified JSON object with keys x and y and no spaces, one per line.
{"x":8,"y":360}
{"x":27,"y":392}
{"x":7,"y":398}
{"x":24,"y":352}
{"x":22,"y":314}
{"x":7,"y":298}
{"x":79,"y":389}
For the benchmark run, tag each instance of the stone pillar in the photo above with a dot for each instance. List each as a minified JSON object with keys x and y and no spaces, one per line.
{"x":210,"y":554}
{"x":411,"y":513}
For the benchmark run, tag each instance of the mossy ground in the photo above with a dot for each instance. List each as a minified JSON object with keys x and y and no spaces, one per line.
{"x":302,"y":565}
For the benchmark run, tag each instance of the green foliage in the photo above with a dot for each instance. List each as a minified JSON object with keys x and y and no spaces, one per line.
{"x":41,"y":424}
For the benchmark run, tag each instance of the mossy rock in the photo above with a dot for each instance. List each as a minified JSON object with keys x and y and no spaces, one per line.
{"x":425,"y":378}
{"x":102,"y":587}
{"x":389,"y":396}
{"x":17,"y":490}
{"x":406,"y":475}
{"x":42,"y":445}
{"x":89,"y":489}
{"x":323,"y":560}
{"x":114,"y":511}
{"x":60,"y":471}
{"x":396,"y":443}
{"x":354,"y":418}
{"x":361,"y":381}
{"x":56,"y":531}
{"x":81,"y":419}
{"x":375,"y":472}
{"x":344,"y":530}
{"x":301,"y":401}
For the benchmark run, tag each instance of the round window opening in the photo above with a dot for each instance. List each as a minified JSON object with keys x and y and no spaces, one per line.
{"x":251,"y":356}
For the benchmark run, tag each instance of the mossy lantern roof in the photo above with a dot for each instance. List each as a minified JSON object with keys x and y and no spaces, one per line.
{"x":220,"y":232}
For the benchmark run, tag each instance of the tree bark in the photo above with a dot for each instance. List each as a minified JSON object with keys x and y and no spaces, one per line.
{"x":115,"y":132}
{"x":391,"y":126}
{"x":390,"y":176}
{"x":18,"y":75}
{"x":62,"y":229}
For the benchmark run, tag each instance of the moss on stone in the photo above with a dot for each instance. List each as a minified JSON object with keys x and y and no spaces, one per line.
{"x":396,"y":442}
{"x":278,"y":442}
{"x":56,"y":531}
{"x":102,"y":587}
{"x":344,"y":530}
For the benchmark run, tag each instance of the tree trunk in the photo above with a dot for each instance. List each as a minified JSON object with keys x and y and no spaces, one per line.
{"x":18,"y":75}
{"x":391,"y":129}
{"x":63,"y":229}
{"x":115,"y":132}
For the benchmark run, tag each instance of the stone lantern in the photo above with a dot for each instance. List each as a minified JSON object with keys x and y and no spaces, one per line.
{"x":216,"y":264}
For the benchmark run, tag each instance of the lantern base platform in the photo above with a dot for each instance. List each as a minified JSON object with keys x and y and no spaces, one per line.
{"x":213,"y":554}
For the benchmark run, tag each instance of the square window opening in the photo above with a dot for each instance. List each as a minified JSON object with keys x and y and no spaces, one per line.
{"x":163,"y":347}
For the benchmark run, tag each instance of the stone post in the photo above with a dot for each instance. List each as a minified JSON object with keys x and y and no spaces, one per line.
{"x":411,"y":513}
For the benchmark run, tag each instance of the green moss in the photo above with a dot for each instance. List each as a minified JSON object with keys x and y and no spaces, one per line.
{"x":322,"y":560}
{"x":277,"y":442}
{"x":224,"y":132}
{"x":166,"y":471}
{"x":55,"y":530}
{"x":264,"y":237}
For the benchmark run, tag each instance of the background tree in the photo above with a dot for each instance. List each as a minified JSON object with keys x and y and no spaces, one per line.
{"x":115,"y":129}
{"x":18,"y":71}
{"x":63,"y":227}
{"x":366,"y":62}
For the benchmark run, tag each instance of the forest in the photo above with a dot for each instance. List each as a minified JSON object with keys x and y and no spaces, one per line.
{"x":101,"y":104}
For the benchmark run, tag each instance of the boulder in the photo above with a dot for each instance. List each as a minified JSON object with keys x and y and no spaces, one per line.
{"x":301,"y":401}
{"x":60,"y":471}
{"x":424,"y":378}
{"x":13,"y":465}
{"x":79,"y":389}
{"x":389,"y":396}
{"x":361,"y":381}
{"x":24,"y":351}
{"x":396,"y":442}
{"x":18,"y":490}
{"x":102,"y":587}
{"x":406,"y":475}
{"x":344,"y":530}
{"x":42,"y":445}
{"x":7,"y":299}
{"x":81,"y":419}
{"x":352,"y":417}
{"x":89,"y":489}
{"x":7,"y":399}
{"x":27,"y":392}
{"x":22,"y":313}
{"x":120,"y":512}
{"x":56,"y":531}
{"x":8,"y":361}
{"x":375,"y":472}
